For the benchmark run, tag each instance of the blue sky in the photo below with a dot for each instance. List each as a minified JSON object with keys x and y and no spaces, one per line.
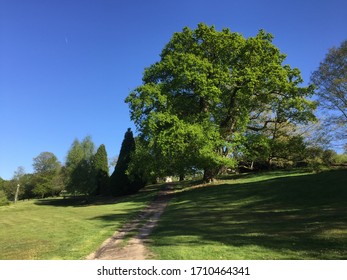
{"x":67,"y":66}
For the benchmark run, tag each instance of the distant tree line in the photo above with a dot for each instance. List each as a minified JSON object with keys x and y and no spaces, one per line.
{"x":85,"y":172}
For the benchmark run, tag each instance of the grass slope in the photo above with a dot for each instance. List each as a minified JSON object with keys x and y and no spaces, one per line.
{"x":276,"y":215}
{"x":63,"y":229}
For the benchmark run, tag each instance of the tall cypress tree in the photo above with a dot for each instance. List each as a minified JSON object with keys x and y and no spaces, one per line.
{"x":120,"y":182}
{"x":101,"y":171}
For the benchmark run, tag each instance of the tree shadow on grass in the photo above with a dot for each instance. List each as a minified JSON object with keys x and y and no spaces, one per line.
{"x":77,"y":201}
{"x":300,"y":217}
{"x":119,"y":217}
{"x":144,"y":195}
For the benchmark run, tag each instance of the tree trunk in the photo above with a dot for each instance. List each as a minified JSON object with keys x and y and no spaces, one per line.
{"x":181,"y":177}
{"x":269,"y":162}
{"x":210,"y":175}
{"x":16,"y":195}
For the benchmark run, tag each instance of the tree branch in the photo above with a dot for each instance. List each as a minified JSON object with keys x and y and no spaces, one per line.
{"x":253,"y":128}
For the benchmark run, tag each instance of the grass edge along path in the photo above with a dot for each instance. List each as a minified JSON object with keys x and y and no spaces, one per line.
{"x":276,"y":215}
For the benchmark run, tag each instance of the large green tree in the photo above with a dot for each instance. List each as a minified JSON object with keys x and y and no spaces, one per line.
{"x":207,"y":90}
{"x":331,"y":82}
{"x":100,"y":165}
{"x":47,"y":174}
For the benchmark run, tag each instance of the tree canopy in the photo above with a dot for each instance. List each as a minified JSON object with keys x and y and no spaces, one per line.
{"x":79,"y":167}
{"x":210,"y":87}
{"x":47,"y":174}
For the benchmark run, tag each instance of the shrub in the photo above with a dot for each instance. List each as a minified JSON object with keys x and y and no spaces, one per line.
{"x":3,"y":199}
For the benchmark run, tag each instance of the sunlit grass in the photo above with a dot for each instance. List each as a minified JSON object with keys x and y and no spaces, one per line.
{"x":63,"y":229}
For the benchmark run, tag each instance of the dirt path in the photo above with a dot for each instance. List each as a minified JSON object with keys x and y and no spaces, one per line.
{"x":121,"y":246}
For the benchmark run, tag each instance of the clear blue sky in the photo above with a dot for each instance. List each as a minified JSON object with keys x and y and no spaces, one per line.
{"x":67,"y":66}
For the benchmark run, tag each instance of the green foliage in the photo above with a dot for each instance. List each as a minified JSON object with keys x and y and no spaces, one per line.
{"x":73,"y":160}
{"x":16,"y":188}
{"x":207,"y":90}
{"x":255,"y":151}
{"x":46,"y":181}
{"x":319,"y":158}
{"x":9,"y":188}
{"x":143,"y":163}
{"x":329,"y":157}
{"x":47,"y":177}
{"x":28,"y":186}
{"x":3,"y":198}
{"x":79,"y":167}
{"x":45,"y":162}
{"x":100,"y":165}
{"x":121,"y":181}
{"x":287,"y":150}
{"x":340,"y":159}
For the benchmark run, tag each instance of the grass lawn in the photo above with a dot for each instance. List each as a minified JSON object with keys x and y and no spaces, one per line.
{"x":63,"y":229}
{"x":276,"y":215}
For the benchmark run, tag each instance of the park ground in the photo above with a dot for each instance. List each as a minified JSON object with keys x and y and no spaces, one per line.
{"x":273,"y":215}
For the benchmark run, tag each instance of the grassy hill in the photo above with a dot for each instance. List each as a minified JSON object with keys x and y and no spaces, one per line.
{"x":276,"y":215}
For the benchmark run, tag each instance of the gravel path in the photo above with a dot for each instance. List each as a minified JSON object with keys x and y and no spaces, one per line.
{"x":121,"y":246}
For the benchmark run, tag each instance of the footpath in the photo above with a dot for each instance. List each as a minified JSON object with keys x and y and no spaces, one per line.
{"x":123,"y":245}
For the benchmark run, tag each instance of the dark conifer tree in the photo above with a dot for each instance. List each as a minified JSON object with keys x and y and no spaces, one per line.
{"x":101,"y":171}
{"x":120,"y":182}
